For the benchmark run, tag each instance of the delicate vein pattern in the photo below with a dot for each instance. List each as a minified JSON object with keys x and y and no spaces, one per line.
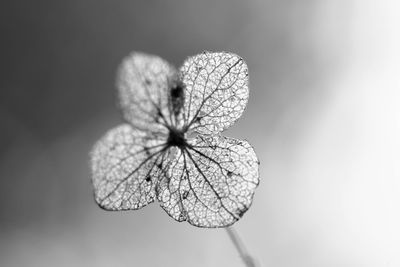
{"x":217,"y":89}
{"x":143,"y":83}
{"x":122,"y":165}
{"x":169,"y":189}
{"x":211,"y":183}
{"x":208,"y":181}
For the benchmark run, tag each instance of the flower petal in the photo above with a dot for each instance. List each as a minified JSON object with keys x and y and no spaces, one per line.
{"x":168,"y":188}
{"x":216,"y":91}
{"x":144,"y":83}
{"x":123,"y":164}
{"x":211,"y":183}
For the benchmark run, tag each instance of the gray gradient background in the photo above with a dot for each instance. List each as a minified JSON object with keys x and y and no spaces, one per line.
{"x":323,"y":116}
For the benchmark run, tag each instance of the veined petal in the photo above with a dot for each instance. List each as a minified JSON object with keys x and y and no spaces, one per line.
{"x":169,"y":189}
{"x":124,"y":168}
{"x":216,"y":91}
{"x":144,"y":85}
{"x":211,"y":183}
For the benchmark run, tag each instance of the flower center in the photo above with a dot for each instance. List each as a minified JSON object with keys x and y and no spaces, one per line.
{"x":176,"y":138}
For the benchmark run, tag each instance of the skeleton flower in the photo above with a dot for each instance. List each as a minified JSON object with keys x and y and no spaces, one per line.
{"x":171,"y":148}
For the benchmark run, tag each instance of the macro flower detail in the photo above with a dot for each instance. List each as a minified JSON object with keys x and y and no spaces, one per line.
{"x":171,"y":149}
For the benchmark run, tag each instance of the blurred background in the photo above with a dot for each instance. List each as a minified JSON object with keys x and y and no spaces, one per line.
{"x":323,"y":116}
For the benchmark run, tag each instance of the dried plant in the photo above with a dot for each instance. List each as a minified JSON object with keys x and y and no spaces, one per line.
{"x":171,"y":148}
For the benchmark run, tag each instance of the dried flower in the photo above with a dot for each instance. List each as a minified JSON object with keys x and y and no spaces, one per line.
{"x":170,"y":147}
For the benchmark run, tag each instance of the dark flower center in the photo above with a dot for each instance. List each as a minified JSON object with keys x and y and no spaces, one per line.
{"x":176,"y":138}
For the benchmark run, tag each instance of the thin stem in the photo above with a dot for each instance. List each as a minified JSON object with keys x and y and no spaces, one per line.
{"x":240,"y":247}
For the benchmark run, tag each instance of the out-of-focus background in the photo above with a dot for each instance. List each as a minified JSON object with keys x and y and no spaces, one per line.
{"x":323,"y":116}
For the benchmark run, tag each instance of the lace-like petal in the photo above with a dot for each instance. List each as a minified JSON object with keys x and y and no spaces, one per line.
{"x":216,"y":91}
{"x":144,"y":85}
{"x":211,"y":183}
{"x":123,"y":168}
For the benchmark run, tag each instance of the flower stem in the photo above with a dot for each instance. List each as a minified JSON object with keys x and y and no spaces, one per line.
{"x":240,"y":247}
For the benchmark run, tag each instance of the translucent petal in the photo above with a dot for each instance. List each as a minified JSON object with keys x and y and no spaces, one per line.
{"x":167,"y":189}
{"x":144,"y":85}
{"x":124,"y":164}
{"x":210,"y":183}
{"x":216,"y":91}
